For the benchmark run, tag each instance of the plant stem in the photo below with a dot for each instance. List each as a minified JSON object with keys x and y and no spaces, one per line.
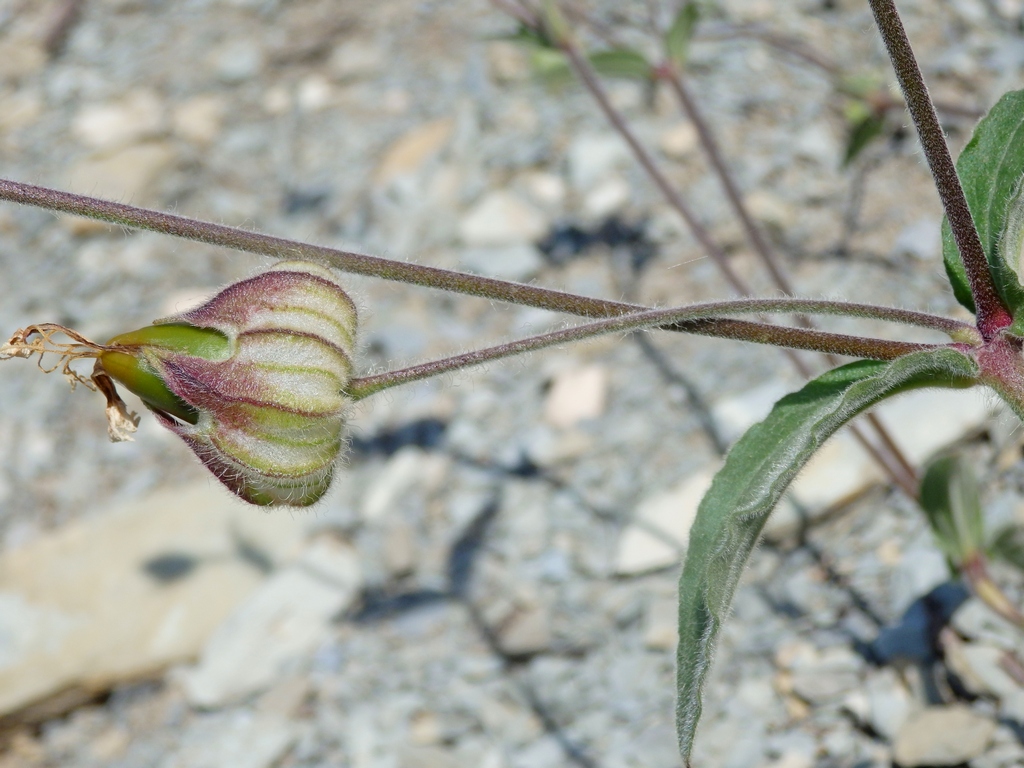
{"x":692,"y":319}
{"x":732,"y":191}
{"x":433,"y":277}
{"x":901,"y":471}
{"x":589,"y":79}
{"x":992,"y":313}
{"x":280,"y":248}
{"x":904,"y":473}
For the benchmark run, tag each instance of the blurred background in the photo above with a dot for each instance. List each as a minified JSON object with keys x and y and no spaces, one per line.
{"x":491,"y":581}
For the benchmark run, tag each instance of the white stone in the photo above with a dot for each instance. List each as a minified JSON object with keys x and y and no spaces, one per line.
{"x":661,"y":624}
{"x":357,"y":58}
{"x":593,"y":156}
{"x":280,"y":623}
{"x":199,"y":119}
{"x":314,"y":93}
{"x":576,"y":395}
{"x":823,"y":676}
{"x":238,"y":60}
{"x":79,"y":607}
{"x":921,"y":239}
{"x":128,"y":174}
{"x":938,"y":736}
{"x":608,"y":197}
{"x":817,"y":142}
{"x":913,"y":419}
{"x":679,"y":141}
{"x":414,"y":150}
{"x":889,"y":702}
{"x":506,"y":262}
{"x":544,"y":189}
{"x":984,"y":663}
{"x":137,"y":115}
{"x":501,"y":218}
{"x":405,"y":470}
{"x":660,"y":531}
{"x":526,"y":632}
{"x":735,"y":414}
{"x":240,"y":740}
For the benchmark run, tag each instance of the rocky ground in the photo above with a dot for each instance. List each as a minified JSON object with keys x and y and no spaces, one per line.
{"x":491,"y":581}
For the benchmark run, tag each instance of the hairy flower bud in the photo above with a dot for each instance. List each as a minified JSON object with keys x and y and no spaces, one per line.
{"x":254,"y":380}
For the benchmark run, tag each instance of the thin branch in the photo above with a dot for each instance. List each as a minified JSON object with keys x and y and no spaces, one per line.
{"x":901,"y":472}
{"x":434,"y":277}
{"x":588,"y":77}
{"x":732,"y":190}
{"x":280,"y":248}
{"x":992,"y":314}
{"x":696,"y":319}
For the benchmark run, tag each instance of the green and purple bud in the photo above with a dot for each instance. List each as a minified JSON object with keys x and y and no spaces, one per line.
{"x":254,"y":380}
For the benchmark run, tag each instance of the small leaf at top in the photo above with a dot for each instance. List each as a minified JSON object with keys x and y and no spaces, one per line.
{"x":621,"y":62}
{"x":860,"y":133}
{"x":757,"y":471}
{"x":990,"y":169}
{"x":677,"y":39}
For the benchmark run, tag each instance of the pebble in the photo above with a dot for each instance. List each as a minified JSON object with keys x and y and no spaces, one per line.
{"x":576,"y":395}
{"x":241,"y":741}
{"x":661,"y":624}
{"x":357,"y":59}
{"x":413,"y":150}
{"x":525,"y":633}
{"x":820,"y":677}
{"x":921,"y":240}
{"x":407,"y":469}
{"x":660,"y":530}
{"x":237,"y":61}
{"x":608,"y":197}
{"x":679,"y":142}
{"x":501,"y":218}
{"x":136,"y":116}
{"x":275,"y":628}
{"x":593,"y":156}
{"x":127,"y":593}
{"x":519,"y":262}
{"x":199,"y":119}
{"x":937,"y":736}
{"x":129,"y":174}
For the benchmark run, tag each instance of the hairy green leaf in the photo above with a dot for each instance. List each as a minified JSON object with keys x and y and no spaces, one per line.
{"x":952,"y":503}
{"x":677,"y":39}
{"x":990,"y":169}
{"x":756,"y":473}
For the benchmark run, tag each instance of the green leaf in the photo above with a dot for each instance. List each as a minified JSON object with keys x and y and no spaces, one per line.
{"x":990,"y":169}
{"x":623,"y":63}
{"x":860,"y":133}
{"x":951,"y":501}
{"x":677,"y":39}
{"x":756,"y":473}
{"x":1008,"y":546}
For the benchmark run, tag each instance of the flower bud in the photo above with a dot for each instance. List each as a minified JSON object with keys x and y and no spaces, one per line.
{"x":254,"y":380}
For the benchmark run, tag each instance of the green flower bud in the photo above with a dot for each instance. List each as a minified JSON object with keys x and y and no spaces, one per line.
{"x":254,"y":381}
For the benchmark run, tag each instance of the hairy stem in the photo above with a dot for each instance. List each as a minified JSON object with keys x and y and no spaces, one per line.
{"x":992,"y":313}
{"x":433,"y":277}
{"x":588,"y":77}
{"x":698,"y":319}
{"x":894,"y":464}
{"x":732,"y":190}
